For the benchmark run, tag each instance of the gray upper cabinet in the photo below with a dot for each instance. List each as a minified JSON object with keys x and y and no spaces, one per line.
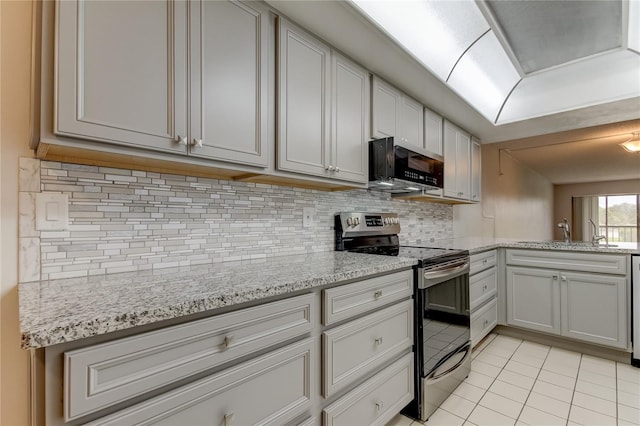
{"x":457,"y":161}
{"x":396,"y":114}
{"x":432,"y":132}
{"x":304,"y":104}
{"x":229,"y":81}
{"x":350,"y":120}
{"x":323,"y":109}
{"x":121,"y":72}
{"x":476,"y":170}
{"x":124,"y":72}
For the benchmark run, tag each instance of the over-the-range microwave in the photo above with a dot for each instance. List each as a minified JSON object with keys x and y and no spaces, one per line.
{"x":402,"y":168}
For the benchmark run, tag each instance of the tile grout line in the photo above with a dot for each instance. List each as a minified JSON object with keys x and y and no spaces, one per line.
{"x":534,"y":384}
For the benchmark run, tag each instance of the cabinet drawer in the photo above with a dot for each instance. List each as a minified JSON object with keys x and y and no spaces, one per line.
{"x":357,"y":348}
{"x":483,"y":321}
{"x":224,"y":397}
{"x":569,"y":261}
{"x":482,"y":287}
{"x":377,"y":400}
{"x":342,"y":302}
{"x":481,"y":261}
{"x":102,"y":375}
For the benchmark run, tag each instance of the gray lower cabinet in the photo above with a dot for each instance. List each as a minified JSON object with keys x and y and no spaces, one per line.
{"x":590,"y":305}
{"x":126,"y":71}
{"x":483,"y":294}
{"x":242,"y":395}
{"x":323,"y":109}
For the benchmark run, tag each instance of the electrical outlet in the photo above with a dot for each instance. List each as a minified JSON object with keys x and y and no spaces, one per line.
{"x":307,"y":217}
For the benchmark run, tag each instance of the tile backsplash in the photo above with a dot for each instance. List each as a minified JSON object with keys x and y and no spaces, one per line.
{"x":127,"y":220}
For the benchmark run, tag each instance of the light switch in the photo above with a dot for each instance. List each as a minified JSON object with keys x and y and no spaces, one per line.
{"x":52,"y":211}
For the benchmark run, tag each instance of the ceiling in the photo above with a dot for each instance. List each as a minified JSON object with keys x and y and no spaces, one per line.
{"x":565,"y":53}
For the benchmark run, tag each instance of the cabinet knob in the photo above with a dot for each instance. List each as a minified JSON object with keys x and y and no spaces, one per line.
{"x":197,"y":143}
{"x":378,"y":341}
{"x":379,"y":406}
{"x":555,"y":277}
{"x":182,"y":140}
{"x":484,"y":262}
{"x":337,"y":169}
{"x":377,"y":294}
{"x":485,"y":287}
{"x":228,"y":340}
{"x":330,"y":168}
{"x":486,"y":323}
{"x":563,"y":278}
{"x":228,"y":419}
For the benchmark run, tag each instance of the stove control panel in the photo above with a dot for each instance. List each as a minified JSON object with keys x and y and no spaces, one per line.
{"x":356,"y":223}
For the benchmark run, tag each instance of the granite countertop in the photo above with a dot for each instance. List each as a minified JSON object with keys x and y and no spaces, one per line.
{"x":478,"y":245}
{"x":64,"y":310}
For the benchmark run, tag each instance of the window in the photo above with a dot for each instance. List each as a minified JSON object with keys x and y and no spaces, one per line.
{"x":618,"y":217}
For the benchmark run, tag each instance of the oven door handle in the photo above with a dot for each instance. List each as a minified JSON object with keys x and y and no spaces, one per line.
{"x":459,"y":356}
{"x":445,"y":272}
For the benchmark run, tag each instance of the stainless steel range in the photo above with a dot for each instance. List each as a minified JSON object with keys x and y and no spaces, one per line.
{"x":442,"y":346}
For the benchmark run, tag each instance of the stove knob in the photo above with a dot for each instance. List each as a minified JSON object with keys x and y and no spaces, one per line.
{"x":356,"y":221}
{"x":387,"y":221}
{"x":396,"y":220}
{"x":349,"y":221}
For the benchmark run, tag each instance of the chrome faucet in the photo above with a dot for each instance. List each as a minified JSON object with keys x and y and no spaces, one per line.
{"x":566,"y":233}
{"x":595,"y":239}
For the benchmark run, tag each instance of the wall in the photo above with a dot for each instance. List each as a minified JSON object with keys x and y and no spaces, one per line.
{"x":517,"y":202}
{"x":126,"y":220}
{"x":562,"y":194}
{"x":15,"y":39}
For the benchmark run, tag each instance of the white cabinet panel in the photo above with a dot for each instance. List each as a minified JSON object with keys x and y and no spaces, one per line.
{"x":457,"y":162}
{"x":102,"y":375}
{"x":340,"y":303}
{"x":350,"y":120}
{"x":377,"y":400}
{"x":482,"y":261}
{"x":353,"y":350}
{"x":121,"y":72}
{"x":242,"y":395}
{"x":432,"y":132}
{"x":594,"y":308}
{"x":411,"y":122}
{"x":476,"y":170}
{"x":533,"y":299}
{"x":229,"y":79}
{"x":304,"y":105}
{"x":483,"y":321}
{"x":482,"y":287}
{"x":386,"y":110}
{"x":577,"y":261}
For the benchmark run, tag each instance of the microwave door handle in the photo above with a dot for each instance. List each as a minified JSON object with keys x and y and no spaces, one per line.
{"x":440,"y":273}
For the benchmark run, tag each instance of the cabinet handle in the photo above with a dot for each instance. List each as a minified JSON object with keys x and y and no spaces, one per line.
{"x":484,"y":262}
{"x":228,"y":340}
{"x":555,"y":277}
{"x":563,"y":278}
{"x":377,"y":294}
{"x":337,"y":169}
{"x":378,"y":341}
{"x":379,"y":406}
{"x":197,"y":143}
{"x":182,"y":140}
{"x":330,"y":168}
{"x":485,"y":287}
{"x":228,"y":419}
{"x":486,"y":323}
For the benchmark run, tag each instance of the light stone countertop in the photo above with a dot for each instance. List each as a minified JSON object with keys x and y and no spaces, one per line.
{"x":478,"y":245}
{"x":64,"y":310}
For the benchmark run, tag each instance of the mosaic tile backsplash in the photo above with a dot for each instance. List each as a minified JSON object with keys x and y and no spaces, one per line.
{"x":127,"y":220}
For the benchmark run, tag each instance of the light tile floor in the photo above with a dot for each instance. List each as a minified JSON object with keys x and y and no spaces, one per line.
{"x":515,"y":382}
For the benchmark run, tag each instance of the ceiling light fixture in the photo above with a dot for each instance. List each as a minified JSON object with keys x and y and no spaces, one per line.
{"x":633,"y":144}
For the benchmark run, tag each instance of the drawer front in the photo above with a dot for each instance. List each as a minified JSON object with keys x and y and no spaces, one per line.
{"x":483,"y":321}
{"x":342,"y":302}
{"x":102,"y":375}
{"x":482,"y":287}
{"x":482,"y":261}
{"x":377,"y":400}
{"x":357,"y":348}
{"x":570,"y":261}
{"x":277,"y":387}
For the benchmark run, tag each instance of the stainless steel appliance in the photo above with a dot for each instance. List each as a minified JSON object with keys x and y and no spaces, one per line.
{"x":442,"y":346}
{"x":401,"y":169}
{"x":635,"y":312}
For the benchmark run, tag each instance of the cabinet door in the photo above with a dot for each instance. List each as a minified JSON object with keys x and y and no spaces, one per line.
{"x":303,"y":119}
{"x":594,"y":308}
{"x":411,"y":122}
{"x":229,"y":81}
{"x":432,"y":132}
{"x":350,"y":120}
{"x":533,"y":299}
{"x":386,"y":110}
{"x":456,"y":162}
{"x":476,"y":170}
{"x":121,"y":72}
{"x":274,"y":388}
